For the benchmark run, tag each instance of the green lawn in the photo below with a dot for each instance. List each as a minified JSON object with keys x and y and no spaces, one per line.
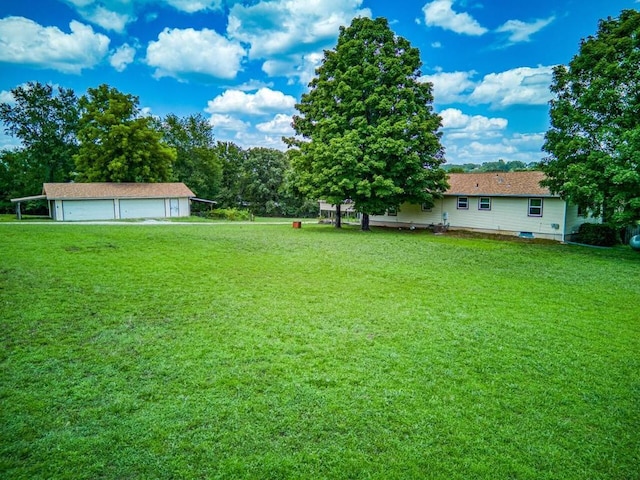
{"x":262,"y":351}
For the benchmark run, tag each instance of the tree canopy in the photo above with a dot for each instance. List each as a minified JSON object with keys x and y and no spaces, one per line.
{"x":366,"y":129}
{"x":196,"y":163}
{"x":45,"y":120}
{"x":117,"y":144}
{"x":594,"y":139}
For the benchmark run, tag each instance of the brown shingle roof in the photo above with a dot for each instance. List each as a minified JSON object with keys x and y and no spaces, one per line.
{"x":511,"y":184}
{"x":115,"y":190}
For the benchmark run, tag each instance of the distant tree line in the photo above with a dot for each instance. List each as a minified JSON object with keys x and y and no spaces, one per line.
{"x":499,"y":166}
{"x":103,"y":136}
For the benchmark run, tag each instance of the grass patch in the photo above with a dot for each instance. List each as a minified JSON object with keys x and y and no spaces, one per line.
{"x":262,"y":351}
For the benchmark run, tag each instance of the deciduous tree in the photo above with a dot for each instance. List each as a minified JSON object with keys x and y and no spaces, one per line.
{"x":367,"y":129}
{"x":232,"y":158}
{"x":117,"y":143}
{"x":45,"y":120}
{"x":197,"y":163}
{"x":594,"y":139}
{"x":263,"y":175}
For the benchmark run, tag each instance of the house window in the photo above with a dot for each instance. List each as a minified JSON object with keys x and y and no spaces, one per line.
{"x":425,"y":207}
{"x":463,"y":203}
{"x":583,"y":212}
{"x":484,"y":203}
{"x":535,"y":207}
{"x":392,"y":212}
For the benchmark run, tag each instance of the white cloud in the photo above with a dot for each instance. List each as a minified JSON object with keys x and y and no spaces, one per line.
{"x":25,"y":42}
{"x":80,"y":3}
{"x":263,"y":101}
{"x":7,"y":142}
{"x":254,"y":139}
{"x":280,"y":124}
{"x":302,"y":67}
{"x":109,"y":14}
{"x":146,"y":112}
{"x":229,"y":128}
{"x":107,"y":19}
{"x":228,"y":123}
{"x":479,"y":139}
{"x":450,"y":87}
{"x":7,"y":97}
{"x":269,"y":112}
{"x":454,"y":119}
{"x":122,"y":57}
{"x":287,"y":26}
{"x":290,"y":34}
{"x":496,"y":150}
{"x":192,"y":6}
{"x":178,"y":52}
{"x":529,"y":141}
{"x":520,"y":31}
{"x":252,"y":85}
{"x":116,"y":14}
{"x":520,"y":86}
{"x":523,"y":147}
{"x":439,"y":13}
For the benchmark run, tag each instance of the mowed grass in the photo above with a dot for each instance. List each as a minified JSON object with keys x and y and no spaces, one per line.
{"x":262,"y":351}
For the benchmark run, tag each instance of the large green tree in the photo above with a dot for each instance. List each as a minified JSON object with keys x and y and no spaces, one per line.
{"x":367,"y":130}
{"x":594,"y":139}
{"x":45,"y":120}
{"x":117,"y":143}
{"x":197,"y":163}
{"x":231,"y":189}
{"x":262,"y":177}
{"x":16,"y":178}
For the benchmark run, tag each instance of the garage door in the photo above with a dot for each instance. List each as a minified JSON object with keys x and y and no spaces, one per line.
{"x":142,"y":208}
{"x":88,"y":210}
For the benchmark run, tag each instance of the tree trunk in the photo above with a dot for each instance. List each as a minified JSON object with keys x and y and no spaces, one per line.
{"x":338,"y":216}
{"x":365,"y":222}
{"x":607,"y":211}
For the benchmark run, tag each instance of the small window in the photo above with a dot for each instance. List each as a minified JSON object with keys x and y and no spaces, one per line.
{"x":583,"y":212}
{"x":463,"y":203}
{"x":425,"y":207}
{"x":484,"y":203}
{"x":392,"y":212}
{"x":535,"y":207}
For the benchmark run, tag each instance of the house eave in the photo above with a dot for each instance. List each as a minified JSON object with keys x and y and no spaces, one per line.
{"x":507,"y":195}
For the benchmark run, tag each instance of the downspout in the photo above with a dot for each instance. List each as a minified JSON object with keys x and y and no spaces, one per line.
{"x":564,"y":220}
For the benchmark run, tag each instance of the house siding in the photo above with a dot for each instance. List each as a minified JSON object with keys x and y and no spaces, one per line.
{"x":507,"y":194}
{"x":573,"y":220}
{"x":508,"y":215}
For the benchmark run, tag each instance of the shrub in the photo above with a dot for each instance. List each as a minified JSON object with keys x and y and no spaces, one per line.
{"x":601,"y":234}
{"x":232,"y":214}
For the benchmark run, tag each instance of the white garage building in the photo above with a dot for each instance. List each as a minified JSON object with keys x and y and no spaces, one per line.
{"x":114,"y":201}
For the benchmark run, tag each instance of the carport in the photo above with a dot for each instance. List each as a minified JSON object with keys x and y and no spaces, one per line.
{"x":20,"y":201}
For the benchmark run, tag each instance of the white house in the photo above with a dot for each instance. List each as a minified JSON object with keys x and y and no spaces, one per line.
{"x":510,"y":203}
{"x":328,"y":211}
{"x":112,"y":201}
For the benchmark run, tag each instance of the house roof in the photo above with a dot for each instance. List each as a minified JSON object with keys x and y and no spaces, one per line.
{"x":507,"y":184}
{"x":57,"y":191}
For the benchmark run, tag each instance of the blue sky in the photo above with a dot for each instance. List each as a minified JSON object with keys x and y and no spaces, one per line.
{"x":244,"y":64}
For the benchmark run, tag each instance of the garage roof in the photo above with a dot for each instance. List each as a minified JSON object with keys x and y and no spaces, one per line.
{"x":64,"y":191}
